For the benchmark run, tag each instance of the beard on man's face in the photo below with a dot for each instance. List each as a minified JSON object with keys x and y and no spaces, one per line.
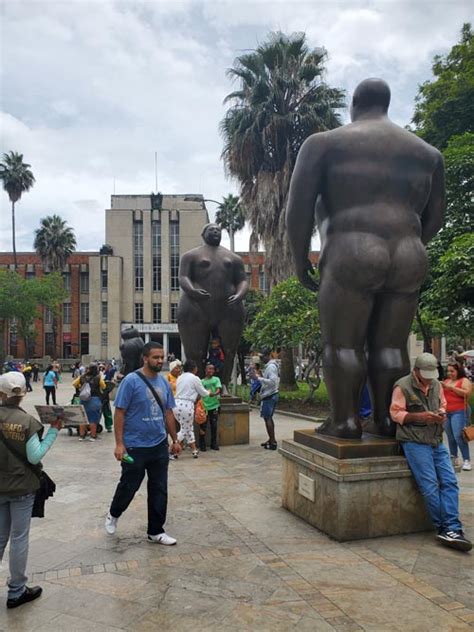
{"x":156,"y":368}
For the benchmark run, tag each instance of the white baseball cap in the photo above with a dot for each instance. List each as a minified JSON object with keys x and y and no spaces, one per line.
{"x":13,"y":384}
{"x":427,"y":364}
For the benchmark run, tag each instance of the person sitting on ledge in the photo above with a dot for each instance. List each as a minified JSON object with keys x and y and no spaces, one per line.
{"x":418,"y":408}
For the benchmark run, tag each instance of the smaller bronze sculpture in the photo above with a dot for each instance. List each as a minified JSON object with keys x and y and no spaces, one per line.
{"x":131,"y":350}
{"x":214,"y":285}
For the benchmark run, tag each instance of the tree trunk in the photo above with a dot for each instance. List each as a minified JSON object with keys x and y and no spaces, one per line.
{"x":55,"y":335}
{"x":424,"y":332}
{"x":2,"y":341}
{"x":243,"y":376}
{"x":15,"y":263}
{"x":287,"y":370}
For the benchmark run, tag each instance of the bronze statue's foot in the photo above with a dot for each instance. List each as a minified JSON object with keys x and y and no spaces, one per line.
{"x":380,"y":428}
{"x":347,"y":430}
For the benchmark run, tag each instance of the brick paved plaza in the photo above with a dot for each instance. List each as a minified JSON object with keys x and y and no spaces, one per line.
{"x":241,"y":563}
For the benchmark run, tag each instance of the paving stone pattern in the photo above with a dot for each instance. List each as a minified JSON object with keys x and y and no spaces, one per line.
{"x":241,"y":563}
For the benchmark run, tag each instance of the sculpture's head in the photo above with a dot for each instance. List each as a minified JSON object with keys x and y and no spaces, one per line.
{"x":212,"y":234}
{"x":370,"y":95}
{"x":129,"y":333}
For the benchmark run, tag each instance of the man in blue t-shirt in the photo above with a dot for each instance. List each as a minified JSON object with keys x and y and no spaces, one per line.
{"x":141,"y":426}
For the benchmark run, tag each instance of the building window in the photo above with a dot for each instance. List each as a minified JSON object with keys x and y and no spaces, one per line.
{"x":104,"y":312}
{"x":84,"y":313}
{"x":84,"y":343}
{"x":262,"y":280}
{"x":138,"y":312}
{"x":157,"y":312}
{"x":84,"y":282}
{"x":174,"y":312}
{"x":138,"y":255}
{"x":30,"y":275}
{"x":174,"y":255}
{"x":67,"y":313}
{"x":156,"y":255}
{"x":67,"y":281}
{"x":103,"y":338}
{"x":104,"y":280}
{"x":48,"y":316}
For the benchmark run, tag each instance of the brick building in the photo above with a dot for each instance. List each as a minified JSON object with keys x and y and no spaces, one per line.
{"x":134,"y":281}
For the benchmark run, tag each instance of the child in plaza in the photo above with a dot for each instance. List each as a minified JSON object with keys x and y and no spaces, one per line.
{"x":216,"y":356}
{"x":211,"y":404}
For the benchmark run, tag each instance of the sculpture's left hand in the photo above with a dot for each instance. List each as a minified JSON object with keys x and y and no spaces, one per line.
{"x":234,"y":299}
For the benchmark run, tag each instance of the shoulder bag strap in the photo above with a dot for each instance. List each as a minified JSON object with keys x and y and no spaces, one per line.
{"x":155,"y":394}
{"x":18,"y":455}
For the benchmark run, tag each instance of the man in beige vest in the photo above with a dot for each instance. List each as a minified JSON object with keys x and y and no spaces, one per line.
{"x":419,"y":409}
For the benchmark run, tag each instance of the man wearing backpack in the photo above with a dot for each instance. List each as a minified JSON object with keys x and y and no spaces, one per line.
{"x":91,"y":386}
{"x":143,"y":416}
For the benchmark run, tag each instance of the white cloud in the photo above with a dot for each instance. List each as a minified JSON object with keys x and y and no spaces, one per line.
{"x":90,"y":90}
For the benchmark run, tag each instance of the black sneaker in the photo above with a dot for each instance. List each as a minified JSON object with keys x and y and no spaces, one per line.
{"x":454,"y":539}
{"x":30,"y":594}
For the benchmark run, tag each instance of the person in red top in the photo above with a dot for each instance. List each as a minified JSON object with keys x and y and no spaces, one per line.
{"x":457,"y":389}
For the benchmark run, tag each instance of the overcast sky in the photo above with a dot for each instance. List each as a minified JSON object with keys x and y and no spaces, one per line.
{"x":90,"y":90}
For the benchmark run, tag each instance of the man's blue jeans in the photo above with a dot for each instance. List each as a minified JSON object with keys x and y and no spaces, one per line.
{"x":435,"y":477}
{"x":15,"y":519}
{"x":454,"y":427}
{"x":154,"y":462}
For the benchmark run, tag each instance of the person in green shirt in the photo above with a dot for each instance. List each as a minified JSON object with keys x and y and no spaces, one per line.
{"x":213,"y":384}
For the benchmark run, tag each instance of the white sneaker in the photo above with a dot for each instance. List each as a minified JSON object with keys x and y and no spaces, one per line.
{"x":467,"y":467}
{"x":162,"y":538}
{"x":110,"y":524}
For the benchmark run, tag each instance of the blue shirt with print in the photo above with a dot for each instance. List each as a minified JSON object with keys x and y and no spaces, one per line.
{"x":144,"y":424}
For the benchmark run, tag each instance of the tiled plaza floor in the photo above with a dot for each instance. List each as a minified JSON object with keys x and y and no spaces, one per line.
{"x":241,"y":563}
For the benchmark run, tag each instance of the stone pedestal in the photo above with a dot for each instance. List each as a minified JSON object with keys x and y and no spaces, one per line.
{"x":233,"y":423}
{"x":351,"y":498}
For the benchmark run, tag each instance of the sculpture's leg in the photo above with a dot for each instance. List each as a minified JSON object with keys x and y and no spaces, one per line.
{"x":230,"y":329}
{"x":344,"y":314}
{"x":194,"y":330}
{"x":388,"y":359}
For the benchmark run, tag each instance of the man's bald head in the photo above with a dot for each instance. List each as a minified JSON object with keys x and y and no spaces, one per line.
{"x":370,"y":94}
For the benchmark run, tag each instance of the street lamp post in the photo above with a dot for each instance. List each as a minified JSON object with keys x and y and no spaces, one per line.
{"x":230,"y":230}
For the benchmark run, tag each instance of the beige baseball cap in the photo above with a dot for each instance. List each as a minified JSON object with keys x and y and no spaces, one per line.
{"x":13,"y":384}
{"x":427,"y":365}
{"x":174,"y":364}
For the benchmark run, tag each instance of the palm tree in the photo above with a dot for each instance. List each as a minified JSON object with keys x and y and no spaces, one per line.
{"x":230,"y":216}
{"x":54,"y":243}
{"x":281,"y":101}
{"x":17,"y":178}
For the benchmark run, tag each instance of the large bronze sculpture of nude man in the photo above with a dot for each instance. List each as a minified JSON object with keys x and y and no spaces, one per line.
{"x":377,"y":192}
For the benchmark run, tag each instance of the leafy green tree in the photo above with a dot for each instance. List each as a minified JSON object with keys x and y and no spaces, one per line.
{"x":431,"y":318}
{"x":253,"y":304}
{"x":22,"y":300}
{"x":54,"y":243}
{"x":288,"y":317}
{"x":17,"y":178}
{"x":451,"y":295}
{"x":444,"y":117}
{"x":230,"y":216}
{"x":282,"y":99}
{"x":445,"y":106}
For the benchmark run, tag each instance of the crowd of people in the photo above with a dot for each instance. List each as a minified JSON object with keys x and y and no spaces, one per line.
{"x":151,"y":410}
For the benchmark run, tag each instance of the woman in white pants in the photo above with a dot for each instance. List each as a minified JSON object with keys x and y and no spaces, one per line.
{"x":188,"y":389}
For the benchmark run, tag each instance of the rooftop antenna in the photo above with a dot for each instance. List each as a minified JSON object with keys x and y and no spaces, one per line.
{"x":156,"y":172}
{"x":114,"y":185}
